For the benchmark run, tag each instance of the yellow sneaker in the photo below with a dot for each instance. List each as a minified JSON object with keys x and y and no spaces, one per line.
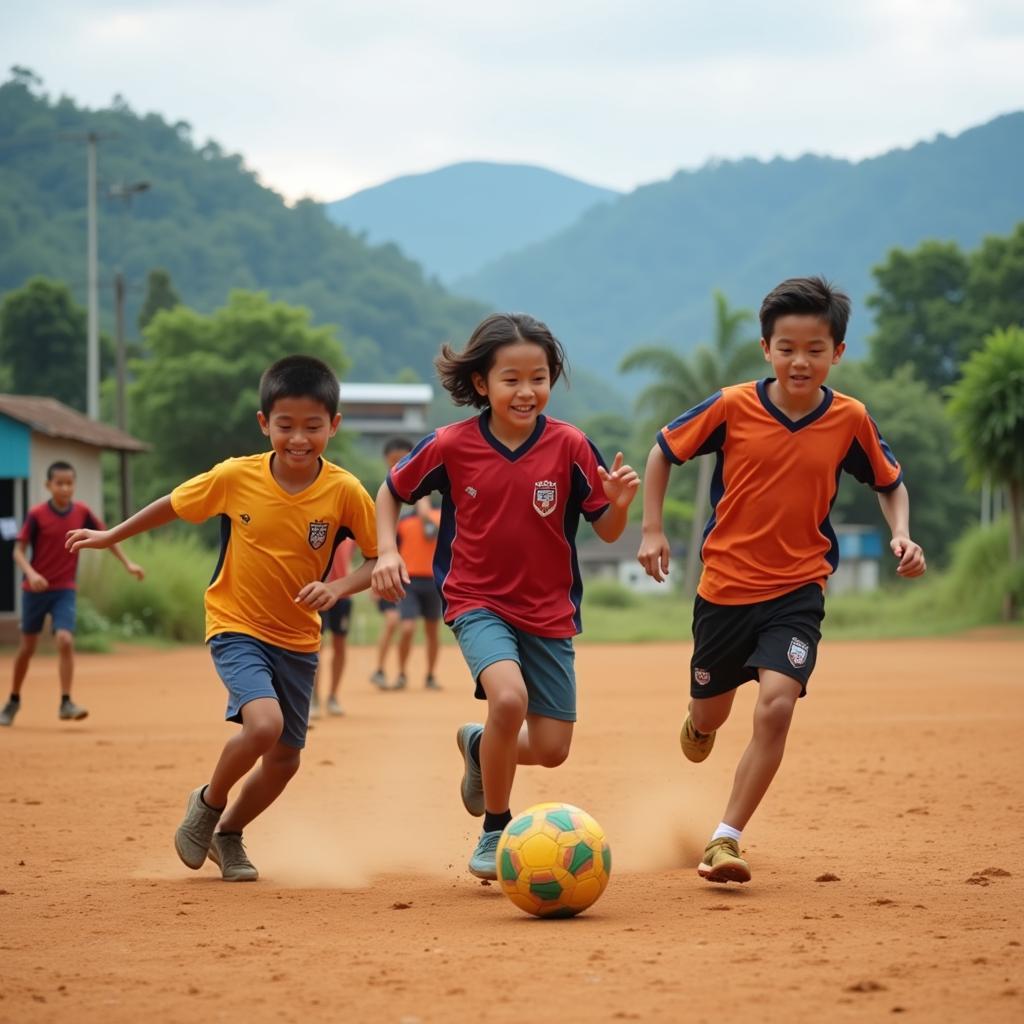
{"x":696,"y":746}
{"x":722,"y":862}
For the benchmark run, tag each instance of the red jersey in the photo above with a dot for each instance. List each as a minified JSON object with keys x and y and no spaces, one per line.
{"x":507,"y":539}
{"x":774,"y":483}
{"x":341,"y":563}
{"x":45,"y":530}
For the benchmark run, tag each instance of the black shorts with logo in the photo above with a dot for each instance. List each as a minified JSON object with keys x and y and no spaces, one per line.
{"x":732,"y":641}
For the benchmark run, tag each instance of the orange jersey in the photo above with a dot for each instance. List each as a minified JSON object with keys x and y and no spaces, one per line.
{"x":273,"y":543}
{"x":417,"y":549}
{"x":774,"y":483}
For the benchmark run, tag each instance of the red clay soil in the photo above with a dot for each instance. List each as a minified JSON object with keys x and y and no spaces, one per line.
{"x":886,"y":859}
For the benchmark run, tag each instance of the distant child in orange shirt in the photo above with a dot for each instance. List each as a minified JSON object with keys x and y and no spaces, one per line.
{"x":417,"y":542}
{"x":281,"y":515}
{"x":335,"y":621}
{"x":780,"y":445}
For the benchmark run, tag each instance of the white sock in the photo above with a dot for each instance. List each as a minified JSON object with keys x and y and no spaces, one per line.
{"x":727,"y":831}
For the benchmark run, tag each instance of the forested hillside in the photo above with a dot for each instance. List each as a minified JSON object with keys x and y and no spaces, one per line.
{"x":206,"y":219}
{"x":642,"y":268}
{"x":459,"y":218}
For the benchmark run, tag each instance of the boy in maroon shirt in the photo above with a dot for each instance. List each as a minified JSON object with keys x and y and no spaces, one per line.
{"x":49,"y":587}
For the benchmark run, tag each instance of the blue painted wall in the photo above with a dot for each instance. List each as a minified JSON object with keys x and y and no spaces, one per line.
{"x":15,"y":440}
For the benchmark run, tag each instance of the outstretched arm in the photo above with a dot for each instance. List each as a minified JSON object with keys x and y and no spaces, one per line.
{"x":620,"y":485}
{"x":130,"y":566}
{"x":157,"y":513}
{"x":895,"y":506}
{"x":389,"y":574}
{"x":653,"y":554}
{"x":321,"y":596}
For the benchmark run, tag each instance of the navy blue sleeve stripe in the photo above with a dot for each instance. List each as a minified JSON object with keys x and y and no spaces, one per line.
{"x":886,"y":450}
{"x":667,"y":450}
{"x":695,"y":411}
{"x":891,"y":487}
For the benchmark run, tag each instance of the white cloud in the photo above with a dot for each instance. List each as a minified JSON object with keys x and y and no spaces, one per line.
{"x":324,"y":98}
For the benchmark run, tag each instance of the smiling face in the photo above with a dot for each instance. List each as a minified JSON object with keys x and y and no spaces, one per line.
{"x":801,"y":351}
{"x":299,"y":429}
{"x":517,"y":387}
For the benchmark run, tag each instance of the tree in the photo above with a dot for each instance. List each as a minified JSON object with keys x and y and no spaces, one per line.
{"x":195,"y":397}
{"x":921,"y":314}
{"x":914,"y":422}
{"x":160,"y":294}
{"x":987,"y":406}
{"x":995,"y":284}
{"x":43,"y":342}
{"x":683,"y":381}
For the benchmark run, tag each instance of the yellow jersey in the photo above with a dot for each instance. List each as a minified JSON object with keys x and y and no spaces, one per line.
{"x":273,"y":543}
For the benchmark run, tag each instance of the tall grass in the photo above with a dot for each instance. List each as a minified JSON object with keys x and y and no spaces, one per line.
{"x":166,"y":605}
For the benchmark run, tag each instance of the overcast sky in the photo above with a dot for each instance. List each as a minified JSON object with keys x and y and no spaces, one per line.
{"x":325,"y":98}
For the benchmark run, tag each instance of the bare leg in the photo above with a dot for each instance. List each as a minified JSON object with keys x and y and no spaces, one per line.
{"x":431,"y":633}
{"x":262,"y":787}
{"x":710,"y":713}
{"x":27,"y":647}
{"x":66,"y":660}
{"x":773,"y":714}
{"x":339,"y":648}
{"x":405,"y":635}
{"x":262,"y":723}
{"x":499,"y":747}
{"x":386,"y":633}
{"x":544,"y":741}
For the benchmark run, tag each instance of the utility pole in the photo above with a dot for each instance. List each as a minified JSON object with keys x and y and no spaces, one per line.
{"x":92,"y":393}
{"x":126,"y":476}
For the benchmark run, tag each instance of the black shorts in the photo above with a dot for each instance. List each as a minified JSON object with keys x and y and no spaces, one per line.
{"x":386,"y":606}
{"x":421,"y":600}
{"x":732,"y":641}
{"x":337,"y":618}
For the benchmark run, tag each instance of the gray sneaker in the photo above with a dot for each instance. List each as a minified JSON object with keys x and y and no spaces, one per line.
{"x":472,"y":788}
{"x":227,"y":851}
{"x":11,"y":708}
{"x":194,"y":834}
{"x":432,"y":684}
{"x":484,"y":861}
{"x":400,"y":682}
{"x":333,"y":707}
{"x":70,"y":711}
{"x":314,"y":708}
{"x":379,"y":679}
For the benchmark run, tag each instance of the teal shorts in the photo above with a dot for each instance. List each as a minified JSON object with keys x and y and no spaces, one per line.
{"x":546,"y":662}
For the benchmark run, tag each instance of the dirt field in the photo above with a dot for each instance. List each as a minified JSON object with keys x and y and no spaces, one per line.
{"x":903,"y":779}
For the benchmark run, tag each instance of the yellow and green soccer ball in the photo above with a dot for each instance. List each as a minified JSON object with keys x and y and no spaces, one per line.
{"x":553,"y":860}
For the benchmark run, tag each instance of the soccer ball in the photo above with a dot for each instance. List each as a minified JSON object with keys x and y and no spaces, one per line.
{"x":553,"y":860}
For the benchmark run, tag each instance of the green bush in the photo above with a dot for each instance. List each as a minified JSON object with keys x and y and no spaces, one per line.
{"x":167,"y":604}
{"x":609,"y":594}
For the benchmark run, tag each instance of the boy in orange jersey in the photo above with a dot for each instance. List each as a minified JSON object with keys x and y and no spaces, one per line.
{"x":282,"y":514}
{"x":781,"y":445}
{"x":417,"y":542}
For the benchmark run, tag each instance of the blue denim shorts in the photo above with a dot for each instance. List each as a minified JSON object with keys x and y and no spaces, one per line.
{"x":546,"y":662}
{"x":252,"y":668}
{"x":60,"y":604}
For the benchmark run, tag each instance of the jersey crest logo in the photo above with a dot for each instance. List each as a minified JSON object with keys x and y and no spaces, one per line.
{"x":702,"y":676}
{"x":545,"y":497}
{"x":797,"y":652}
{"x":317,"y":534}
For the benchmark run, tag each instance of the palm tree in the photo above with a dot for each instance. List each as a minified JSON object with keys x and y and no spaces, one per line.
{"x":681,"y":381}
{"x":987,"y":406}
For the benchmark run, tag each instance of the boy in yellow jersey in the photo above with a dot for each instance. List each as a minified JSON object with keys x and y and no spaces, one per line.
{"x":282,"y":515}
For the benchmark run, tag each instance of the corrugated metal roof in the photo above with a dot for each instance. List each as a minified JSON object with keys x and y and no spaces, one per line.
{"x":419,"y":394}
{"x":55,"y":419}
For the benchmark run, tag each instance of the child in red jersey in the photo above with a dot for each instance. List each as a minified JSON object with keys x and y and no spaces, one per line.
{"x":49,"y":587}
{"x":514,"y":485}
{"x":781,"y":445}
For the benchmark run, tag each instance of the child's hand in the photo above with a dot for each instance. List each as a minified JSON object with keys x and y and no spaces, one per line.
{"x":389,"y":577}
{"x":910,"y":554}
{"x":136,"y":570}
{"x":620,"y":485}
{"x":37,"y":582}
{"x":78,"y":539}
{"x":653,"y":555}
{"x":317,"y":596}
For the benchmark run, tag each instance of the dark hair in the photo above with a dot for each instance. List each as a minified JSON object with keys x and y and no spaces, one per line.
{"x":813,"y":296}
{"x":397,"y":444}
{"x":299,"y":377}
{"x":57,"y":467}
{"x":456,"y":369}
